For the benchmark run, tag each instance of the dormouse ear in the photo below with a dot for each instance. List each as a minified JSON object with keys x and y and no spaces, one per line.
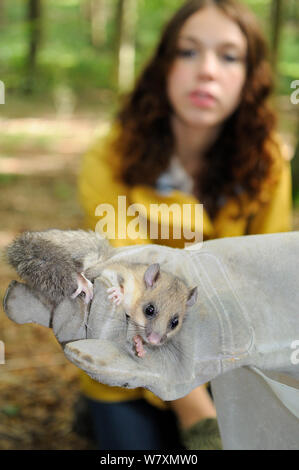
{"x":192,"y":297}
{"x":151,"y":274}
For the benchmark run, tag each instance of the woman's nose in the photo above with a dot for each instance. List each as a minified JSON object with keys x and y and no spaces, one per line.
{"x":207,"y":67}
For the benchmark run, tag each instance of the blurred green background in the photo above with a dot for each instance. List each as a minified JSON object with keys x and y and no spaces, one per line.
{"x":71,"y":59}
{"x":76,"y":43}
{"x":65,"y":64}
{"x":68,"y":57}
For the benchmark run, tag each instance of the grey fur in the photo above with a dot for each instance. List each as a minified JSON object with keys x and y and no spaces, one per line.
{"x":48,"y":261}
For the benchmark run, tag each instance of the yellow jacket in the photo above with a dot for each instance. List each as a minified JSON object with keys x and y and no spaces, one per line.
{"x":98,"y":184}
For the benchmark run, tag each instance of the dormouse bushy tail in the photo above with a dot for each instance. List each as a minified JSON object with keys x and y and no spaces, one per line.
{"x":49,"y":261}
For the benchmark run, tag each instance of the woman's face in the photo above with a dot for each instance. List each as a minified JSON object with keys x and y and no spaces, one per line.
{"x":207,"y":77}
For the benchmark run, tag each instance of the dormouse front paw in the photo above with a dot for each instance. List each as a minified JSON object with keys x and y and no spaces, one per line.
{"x":84,"y":285}
{"x":139,"y":346}
{"x":116,"y":294}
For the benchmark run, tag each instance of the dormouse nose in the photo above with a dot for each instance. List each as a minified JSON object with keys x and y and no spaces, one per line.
{"x":154,"y":338}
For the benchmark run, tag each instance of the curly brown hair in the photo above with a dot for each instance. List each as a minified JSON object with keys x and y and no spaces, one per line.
{"x":240,"y":159}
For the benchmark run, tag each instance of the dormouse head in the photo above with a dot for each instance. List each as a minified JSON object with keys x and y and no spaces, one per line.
{"x":162,"y":307}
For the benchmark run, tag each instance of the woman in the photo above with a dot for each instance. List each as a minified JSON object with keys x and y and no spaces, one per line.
{"x":196,"y":128}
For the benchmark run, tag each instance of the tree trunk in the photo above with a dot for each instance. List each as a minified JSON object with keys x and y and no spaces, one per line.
{"x":96,"y":13}
{"x":34,"y":27}
{"x":276,"y":14}
{"x":126,"y":20}
{"x":99,"y":15}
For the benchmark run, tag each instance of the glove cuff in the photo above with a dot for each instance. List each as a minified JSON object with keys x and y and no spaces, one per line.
{"x":204,"y":435}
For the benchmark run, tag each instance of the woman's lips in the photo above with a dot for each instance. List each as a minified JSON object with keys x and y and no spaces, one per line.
{"x":202,"y":99}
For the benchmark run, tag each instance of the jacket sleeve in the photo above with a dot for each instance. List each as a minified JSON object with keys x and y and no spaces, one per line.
{"x":276,"y":214}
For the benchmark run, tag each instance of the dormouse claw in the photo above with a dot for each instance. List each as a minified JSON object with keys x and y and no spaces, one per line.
{"x":84,"y":285}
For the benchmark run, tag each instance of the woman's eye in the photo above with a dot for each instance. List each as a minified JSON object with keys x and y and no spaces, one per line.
{"x":187,"y":53}
{"x":230,"y":58}
{"x":149,"y":310}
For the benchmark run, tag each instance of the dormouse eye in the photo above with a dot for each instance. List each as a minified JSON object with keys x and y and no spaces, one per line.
{"x":149,"y":310}
{"x":174,"y":323}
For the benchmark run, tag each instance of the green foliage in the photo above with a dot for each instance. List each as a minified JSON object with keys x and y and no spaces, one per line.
{"x":153,"y":14}
{"x":11,"y":410}
{"x":7,"y":178}
{"x":21,"y":143}
{"x":63,"y":191}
